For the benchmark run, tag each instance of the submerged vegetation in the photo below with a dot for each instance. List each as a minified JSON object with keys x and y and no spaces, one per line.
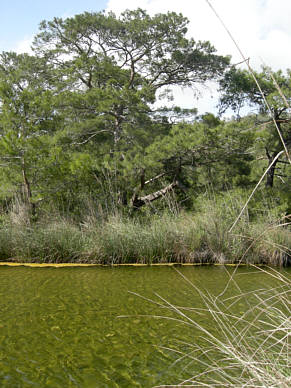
{"x":92,"y":170}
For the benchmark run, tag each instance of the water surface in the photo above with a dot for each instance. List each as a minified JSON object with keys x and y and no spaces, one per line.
{"x":61,"y":327}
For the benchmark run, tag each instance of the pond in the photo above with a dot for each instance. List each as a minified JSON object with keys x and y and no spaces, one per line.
{"x":86,"y":327}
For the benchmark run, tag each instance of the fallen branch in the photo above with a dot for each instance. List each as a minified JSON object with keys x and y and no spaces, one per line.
{"x":141,"y":201}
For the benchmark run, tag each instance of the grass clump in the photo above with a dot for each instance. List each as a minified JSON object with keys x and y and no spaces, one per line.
{"x":163,"y":239}
{"x":53,"y":243}
{"x":249,"y":348}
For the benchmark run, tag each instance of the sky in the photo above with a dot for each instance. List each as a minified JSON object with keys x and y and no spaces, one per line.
{"x":19,"y":19}
{"x":262,"y":29}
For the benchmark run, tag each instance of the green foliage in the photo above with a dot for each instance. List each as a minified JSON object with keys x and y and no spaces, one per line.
{"x":272,"y":126}
{"x":110,"y":70}
{"x":78,"y":120}
{"x":28,"y":122}
{"x":239,"y":88}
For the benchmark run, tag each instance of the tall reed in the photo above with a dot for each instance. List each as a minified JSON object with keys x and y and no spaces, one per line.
{"x":188,"y":237}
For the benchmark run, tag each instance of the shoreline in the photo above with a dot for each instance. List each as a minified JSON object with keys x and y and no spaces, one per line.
{"x":62,"y":265}
{"x":186,"y":239}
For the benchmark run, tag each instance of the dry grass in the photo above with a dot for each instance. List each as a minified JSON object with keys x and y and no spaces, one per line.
{"x":250,"y":349}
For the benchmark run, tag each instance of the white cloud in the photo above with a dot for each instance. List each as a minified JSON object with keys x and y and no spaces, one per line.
{"x":276,"y":15}
{"x":275,"y":49}
{"x":262,"y":29}
{"x":23,"y":46}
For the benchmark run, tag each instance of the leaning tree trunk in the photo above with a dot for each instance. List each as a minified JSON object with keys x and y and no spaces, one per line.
{"x":138,"y":202}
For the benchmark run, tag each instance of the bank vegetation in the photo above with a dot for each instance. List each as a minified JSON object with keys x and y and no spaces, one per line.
{"x":94,"y":169}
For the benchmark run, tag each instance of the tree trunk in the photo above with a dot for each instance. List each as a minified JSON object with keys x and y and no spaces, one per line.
{"x":27,"y":191}
{"x":271,"y":172}
{"x":271,"y":157}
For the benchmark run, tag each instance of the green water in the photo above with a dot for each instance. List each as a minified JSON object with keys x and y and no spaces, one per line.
{"x":61,"y":327}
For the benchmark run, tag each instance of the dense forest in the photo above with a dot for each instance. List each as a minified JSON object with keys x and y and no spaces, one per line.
{"x":91,"y":165}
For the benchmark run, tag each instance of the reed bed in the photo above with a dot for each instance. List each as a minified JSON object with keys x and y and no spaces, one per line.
{"x":197,"y":237}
